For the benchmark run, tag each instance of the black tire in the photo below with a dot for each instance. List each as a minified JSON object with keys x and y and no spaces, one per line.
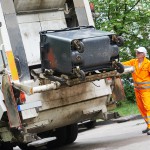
{"x":24,"y":146}
{"x":120,"y":68}
{"x":6,"y":146}
{"x":120,"y":41}
{"x":60,"y":135}
{"x":1,"y":145}
{"x":72,"y":133}
{"x":78,"y":45}
{"x":81,"y":49}
{"x":90,"y":125}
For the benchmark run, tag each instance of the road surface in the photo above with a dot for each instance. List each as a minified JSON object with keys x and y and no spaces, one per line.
{"x":115,"y":136}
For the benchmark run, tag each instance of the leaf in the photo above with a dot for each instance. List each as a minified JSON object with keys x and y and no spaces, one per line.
{"x":128,"y":18}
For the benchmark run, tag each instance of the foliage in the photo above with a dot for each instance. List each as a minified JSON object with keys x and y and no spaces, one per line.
{"x":126,"y":108}
{"x":129,"y":88}
{"x":131,"y":20}
{"x":128,"y":18}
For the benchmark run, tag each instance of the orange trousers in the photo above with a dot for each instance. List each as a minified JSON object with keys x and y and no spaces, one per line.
{"x":143,"y":103}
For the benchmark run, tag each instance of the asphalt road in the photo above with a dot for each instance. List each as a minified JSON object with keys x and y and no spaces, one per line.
{"x":113,"y":136}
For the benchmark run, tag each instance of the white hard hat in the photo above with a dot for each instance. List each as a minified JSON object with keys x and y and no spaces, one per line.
{"x":142,"y":49}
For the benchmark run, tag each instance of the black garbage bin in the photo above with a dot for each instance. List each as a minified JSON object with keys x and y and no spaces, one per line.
{"x":80,"y":48}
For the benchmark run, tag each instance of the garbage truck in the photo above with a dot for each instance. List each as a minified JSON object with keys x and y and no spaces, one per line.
{"x":54,"y":71}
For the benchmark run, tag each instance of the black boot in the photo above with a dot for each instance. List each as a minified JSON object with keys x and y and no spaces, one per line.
{"x":146,"y":130}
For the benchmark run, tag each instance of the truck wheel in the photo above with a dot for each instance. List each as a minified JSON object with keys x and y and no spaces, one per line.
{"x":24,"y":146}
{"x":60,"y":135}
{"x":0,"y":145}
{"x":72,"y":133}
{"x":6,"y":146}
{"x":90,"y":124}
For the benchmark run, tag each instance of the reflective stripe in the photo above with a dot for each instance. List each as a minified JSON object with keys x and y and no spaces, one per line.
{"x":142,"y":87}
{"x":146,"y":117}
{"x":12,"y":65}
{"x":139,"y":85}
{"x":148,"y":82}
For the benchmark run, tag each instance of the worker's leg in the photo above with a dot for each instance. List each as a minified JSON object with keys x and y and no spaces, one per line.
{"x":140,"y":104}
{"x":141,"y":107}
{"x":145,"y":95}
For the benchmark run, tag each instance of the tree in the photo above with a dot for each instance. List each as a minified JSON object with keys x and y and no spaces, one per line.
{"x":131,"y":20}
{"x":128,"y":18}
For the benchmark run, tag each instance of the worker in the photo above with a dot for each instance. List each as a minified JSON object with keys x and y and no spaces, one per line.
{"x":141,"y":78}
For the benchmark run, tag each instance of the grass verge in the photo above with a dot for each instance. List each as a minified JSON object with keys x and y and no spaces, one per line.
{"x":126,"y":108}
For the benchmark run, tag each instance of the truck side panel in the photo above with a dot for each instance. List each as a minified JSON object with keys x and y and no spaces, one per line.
{"x":15,"y":39}
{"x":31,"y":24}
{"x":69,"y":114}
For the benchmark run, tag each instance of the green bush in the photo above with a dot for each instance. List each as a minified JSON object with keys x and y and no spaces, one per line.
{"x":129,"y":89}
{"x":126,"y":108}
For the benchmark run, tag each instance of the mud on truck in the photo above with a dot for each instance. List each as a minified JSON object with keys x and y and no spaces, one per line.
{"x":54,"y":66}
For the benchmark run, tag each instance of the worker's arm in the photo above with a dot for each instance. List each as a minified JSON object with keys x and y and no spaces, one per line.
{"x":129,"y":63}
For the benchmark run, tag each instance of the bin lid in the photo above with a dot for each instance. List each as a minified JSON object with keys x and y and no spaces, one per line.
{"x":78,"y":33}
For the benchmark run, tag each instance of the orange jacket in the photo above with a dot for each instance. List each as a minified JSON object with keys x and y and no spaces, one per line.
{"x":142,"y":73}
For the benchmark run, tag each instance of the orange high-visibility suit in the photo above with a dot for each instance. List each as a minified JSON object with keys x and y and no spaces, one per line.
{"x":141,"y":78}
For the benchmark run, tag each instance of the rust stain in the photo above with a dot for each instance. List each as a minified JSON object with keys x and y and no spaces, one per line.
{"x":52,"y":59}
